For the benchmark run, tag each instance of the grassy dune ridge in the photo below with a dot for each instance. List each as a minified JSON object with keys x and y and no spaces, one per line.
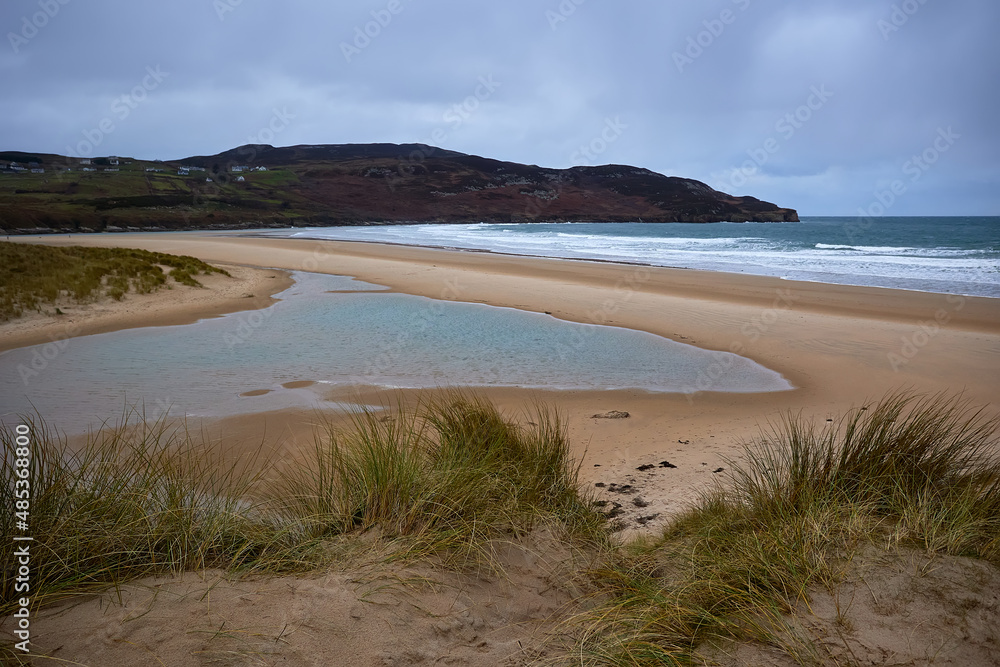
{"x":443,"y":481}
{"x":144,"y":498}
{"x":801,"y":514}
{"x":32,"y":275}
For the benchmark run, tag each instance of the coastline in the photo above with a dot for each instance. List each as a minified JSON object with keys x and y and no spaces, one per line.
{"x":828,"y":250}
{"x":248,"y":288}
{"x":840,"y":346}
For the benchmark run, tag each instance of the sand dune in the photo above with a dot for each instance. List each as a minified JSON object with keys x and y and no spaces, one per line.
{"x":840,"y":346}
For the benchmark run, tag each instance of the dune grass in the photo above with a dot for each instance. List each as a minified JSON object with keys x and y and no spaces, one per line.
{"x":905,"y":472}
{"x":32,"y":275}
{"x":143,"y":498}
{"x":449,"y":476}
{"x":138,"y":499}
{"x":452,"y":476}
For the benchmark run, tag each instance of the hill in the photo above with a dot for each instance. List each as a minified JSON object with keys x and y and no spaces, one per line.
{"x":343,"y":184}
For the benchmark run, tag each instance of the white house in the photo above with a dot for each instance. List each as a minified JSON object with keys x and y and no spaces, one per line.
{"x":113,"y":160}
{"x":240,"y":179}
{"x":85,"y":160}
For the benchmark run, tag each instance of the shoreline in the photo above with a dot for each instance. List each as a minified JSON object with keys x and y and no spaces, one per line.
{"x":248,"y":288}
{"x":264,"y":234}
{"x":840,"y":346}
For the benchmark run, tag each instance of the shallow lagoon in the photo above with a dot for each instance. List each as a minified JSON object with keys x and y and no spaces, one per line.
{"x":331,"y":331}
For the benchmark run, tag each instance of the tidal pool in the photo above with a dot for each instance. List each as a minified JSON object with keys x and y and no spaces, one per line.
{"x":332,"y":331}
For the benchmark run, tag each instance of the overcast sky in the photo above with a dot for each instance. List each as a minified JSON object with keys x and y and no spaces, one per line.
{"x":818,"y":105}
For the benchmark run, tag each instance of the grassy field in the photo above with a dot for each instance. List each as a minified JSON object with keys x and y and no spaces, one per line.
{"x":133,"y":198}
{"x":34,"y":275}
{"x":444,"y":480}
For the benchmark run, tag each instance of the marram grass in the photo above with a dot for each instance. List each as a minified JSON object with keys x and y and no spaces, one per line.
{"x":907,"y":471}
{"x":453,"y":475}
{"x":143,"y":498}
{"x":33,"y":275}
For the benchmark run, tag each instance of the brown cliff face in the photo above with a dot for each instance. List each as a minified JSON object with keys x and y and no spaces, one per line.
{"x":359,"y":184}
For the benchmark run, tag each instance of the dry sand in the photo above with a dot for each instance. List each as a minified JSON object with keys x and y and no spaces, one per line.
{"x":246,"y":288}
{"x":840,"y":346}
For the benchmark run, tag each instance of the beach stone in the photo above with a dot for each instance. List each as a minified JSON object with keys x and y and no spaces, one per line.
{"x":613,"y":414}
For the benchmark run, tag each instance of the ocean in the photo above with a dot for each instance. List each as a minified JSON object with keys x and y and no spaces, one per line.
{"x":951,"y":255}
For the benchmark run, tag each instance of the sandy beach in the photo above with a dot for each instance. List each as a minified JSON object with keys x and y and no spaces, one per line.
{"x":840,"y":346}
{"x":246,"y":288}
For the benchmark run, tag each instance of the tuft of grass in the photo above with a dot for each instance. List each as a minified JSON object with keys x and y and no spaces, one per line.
{"x":449,"y":476}
{"x":454,"y":477}
{"x":31,"y":275}
{"x":909,"y":471}
{"x":138,"y":499}
{"x":144,"y":498}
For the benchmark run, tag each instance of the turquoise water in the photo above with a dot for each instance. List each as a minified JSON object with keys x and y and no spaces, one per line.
{"x":948,"y":255}
{"x":345,"y":338}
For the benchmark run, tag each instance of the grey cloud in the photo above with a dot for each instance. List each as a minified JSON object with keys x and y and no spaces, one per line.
{"x":703,"y":88}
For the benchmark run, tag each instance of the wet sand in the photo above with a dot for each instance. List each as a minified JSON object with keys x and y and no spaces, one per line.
{"x":840,"y":346}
